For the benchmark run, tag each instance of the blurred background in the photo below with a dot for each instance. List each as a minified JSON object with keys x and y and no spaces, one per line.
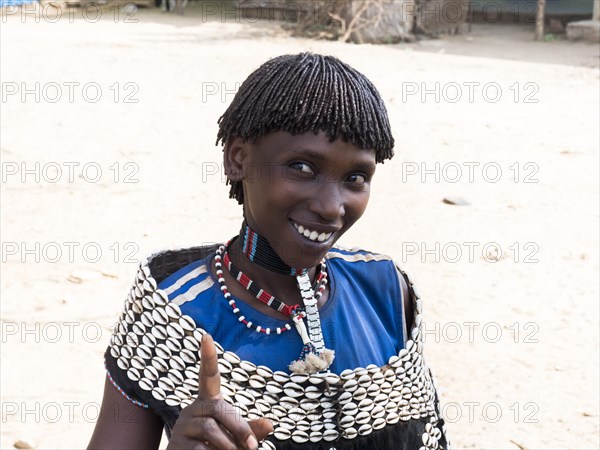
{"x":108,"y":123}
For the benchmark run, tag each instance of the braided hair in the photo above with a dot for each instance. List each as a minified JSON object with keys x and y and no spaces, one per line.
{"x":303,"y":93}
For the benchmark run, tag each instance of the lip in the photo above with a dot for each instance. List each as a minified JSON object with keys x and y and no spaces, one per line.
{"x":317,"y":227}
{"x":320,"y":229}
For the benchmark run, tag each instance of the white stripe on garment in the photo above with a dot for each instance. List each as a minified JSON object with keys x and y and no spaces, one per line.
{"x":184,"y":279}
{"x":358,"y":257}
{"x":193,"y":292}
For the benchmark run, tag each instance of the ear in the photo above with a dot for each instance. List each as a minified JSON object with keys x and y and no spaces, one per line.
{"x":234,"y":155}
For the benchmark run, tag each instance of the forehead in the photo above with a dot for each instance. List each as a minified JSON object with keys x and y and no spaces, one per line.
{"x":310,"y":145}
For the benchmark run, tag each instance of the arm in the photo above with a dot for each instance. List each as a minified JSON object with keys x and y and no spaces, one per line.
{"x":123,"y":425}
{"x":408,"y":303}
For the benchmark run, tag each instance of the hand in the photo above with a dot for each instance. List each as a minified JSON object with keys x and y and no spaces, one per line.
{"x":210,"y":423}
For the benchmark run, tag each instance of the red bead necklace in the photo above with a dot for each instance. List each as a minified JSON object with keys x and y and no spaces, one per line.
{"x":291,"y":311}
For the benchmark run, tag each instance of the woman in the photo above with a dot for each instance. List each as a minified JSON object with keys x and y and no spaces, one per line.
{"x":278,"y":337}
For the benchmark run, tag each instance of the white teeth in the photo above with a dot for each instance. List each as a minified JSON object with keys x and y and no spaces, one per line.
{"x":312,"y":235}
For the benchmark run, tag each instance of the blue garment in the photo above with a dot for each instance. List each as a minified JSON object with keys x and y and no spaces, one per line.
{"x":362,"y":319}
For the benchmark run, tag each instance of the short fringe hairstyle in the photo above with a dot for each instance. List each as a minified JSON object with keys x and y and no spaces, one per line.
{"x":305,"y":93}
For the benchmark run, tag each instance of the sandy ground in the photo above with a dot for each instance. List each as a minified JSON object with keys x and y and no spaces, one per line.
{"x":513,"y":341}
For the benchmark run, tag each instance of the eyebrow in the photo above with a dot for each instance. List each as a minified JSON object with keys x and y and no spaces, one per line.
{"x":363,"y":165}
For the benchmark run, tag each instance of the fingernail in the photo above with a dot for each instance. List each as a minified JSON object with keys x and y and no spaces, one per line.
{"x":251,"y":442}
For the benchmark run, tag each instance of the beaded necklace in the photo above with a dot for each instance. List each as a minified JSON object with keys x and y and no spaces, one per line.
{"x":264,"y":296}
{"x":314,"y":357}
{"x":259,"y":251}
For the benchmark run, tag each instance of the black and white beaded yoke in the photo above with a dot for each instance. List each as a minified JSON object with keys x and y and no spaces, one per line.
{"x":153,"y":358}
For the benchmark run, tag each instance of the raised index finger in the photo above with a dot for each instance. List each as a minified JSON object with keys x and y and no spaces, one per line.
{"x":209,"y":380}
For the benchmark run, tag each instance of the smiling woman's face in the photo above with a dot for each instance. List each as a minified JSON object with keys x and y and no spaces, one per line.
{"x":302,"y":193}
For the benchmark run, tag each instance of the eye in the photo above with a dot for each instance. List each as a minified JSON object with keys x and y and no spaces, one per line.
{"x":302,"y":167}
{"x":357,"y":178}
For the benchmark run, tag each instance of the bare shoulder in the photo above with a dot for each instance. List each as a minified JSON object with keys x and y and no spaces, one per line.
{"x":406,"y":297}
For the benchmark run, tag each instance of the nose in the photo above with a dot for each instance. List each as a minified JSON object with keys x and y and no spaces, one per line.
{"x":328,"y":202}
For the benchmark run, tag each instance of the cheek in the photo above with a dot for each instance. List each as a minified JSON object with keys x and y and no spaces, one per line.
{"x":287,"y":191}
{"x":269,"y":192}
{"x":357,"y":205}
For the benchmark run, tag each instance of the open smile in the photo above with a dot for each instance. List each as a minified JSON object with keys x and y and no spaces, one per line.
{"x":312,"y":235}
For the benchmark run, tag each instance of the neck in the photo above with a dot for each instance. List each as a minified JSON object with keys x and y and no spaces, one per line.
{"x":284,"y":287}
{"x":258,"y":250}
